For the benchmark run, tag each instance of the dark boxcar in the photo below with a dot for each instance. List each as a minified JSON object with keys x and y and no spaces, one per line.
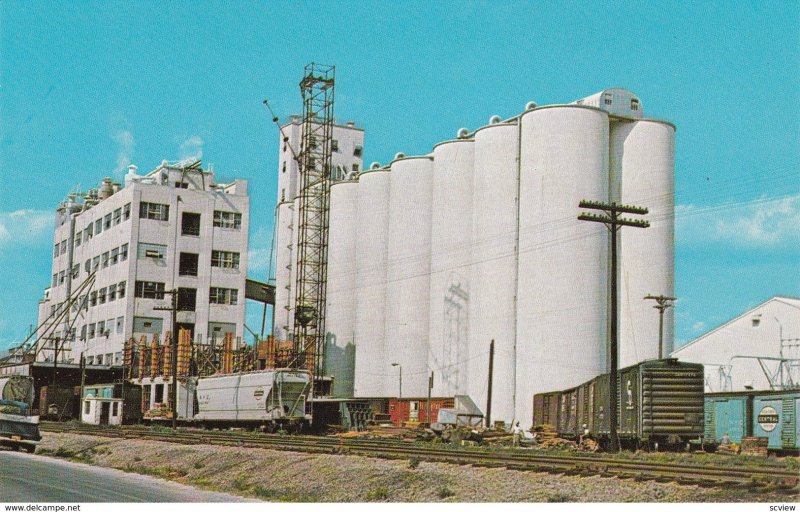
{"x":545,"y":409}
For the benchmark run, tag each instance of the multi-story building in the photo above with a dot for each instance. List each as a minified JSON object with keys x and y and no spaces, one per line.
{"x":174,"y":228}
{"x":346,"y":159}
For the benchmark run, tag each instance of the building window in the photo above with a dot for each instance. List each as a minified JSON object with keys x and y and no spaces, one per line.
{"x":83,"y":333}
{"x":55,"y":280}
{"x":187,"y":299}
{"x":87,"y":233}
{"x":104,"y":259}
{"x":121,"y":290}
{"x":101,"y":295}
{"x":181,"y":184}
{"x":223,"y":296}
{"x":227,"y":220}
{"x":101,"y":331}
{"x":112,"y":292}
{"x":634,"y":104}
{"x":149,"y":290}
{"x":56,"y":250}
{"x":188,"y":264}
{"x":190,"y":224}
{"x":95,"y":263}
{"x":61,"y":276}
{"x":334,"y":145}
{"x":93,"y":299}
{"x":98,"y":226}
{"x":76,"y":269}
{"x":358,"y":150}
{"x":123,"y":252}
{"x":63,"y":247}
{"x":107,"y":222}
{"x":355,"y":167}
{"x":607,"y":98}
{"x":225,"y":259}
{"x":91,"y":331}
{"x":154,"y":211}
{"x":120,"y":324}
{"x":155,"y":251}
{"x":114,"y":255}
{"x":117,"y":216}
{"x":126,"y":212}
{"x":87,"y":267}
{"x":284,"y":166}
{"x":78,"y":238}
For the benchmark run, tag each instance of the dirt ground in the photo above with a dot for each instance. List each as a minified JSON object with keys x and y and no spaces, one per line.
{"x":297,"y":477}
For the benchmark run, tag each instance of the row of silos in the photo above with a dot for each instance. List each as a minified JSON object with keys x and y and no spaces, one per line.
{"x":432,"y":257}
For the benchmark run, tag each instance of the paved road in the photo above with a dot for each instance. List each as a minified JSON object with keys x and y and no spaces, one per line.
{"x":32,"y":478}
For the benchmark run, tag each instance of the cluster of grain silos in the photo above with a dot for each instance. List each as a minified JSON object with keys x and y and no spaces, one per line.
{"x":431,"y":257}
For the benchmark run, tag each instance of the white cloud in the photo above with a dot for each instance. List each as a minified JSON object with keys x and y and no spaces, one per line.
{"x":125,"y":147}
{"x":699,"y":327}
{"x":758,"y":223}
{"x":192,"y":149}
{"x":25,"y":226}
{"x":258,"y":262}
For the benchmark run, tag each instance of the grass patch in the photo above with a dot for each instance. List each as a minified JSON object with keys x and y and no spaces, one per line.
{"x":413,"y":463}
{"x":378,"y":494}
{"x":198,"y":465}
{"x":444,"y":492}
{"x":558,"y":498}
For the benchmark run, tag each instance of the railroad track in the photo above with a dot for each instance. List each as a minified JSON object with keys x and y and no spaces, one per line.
{"x":522,"y":460}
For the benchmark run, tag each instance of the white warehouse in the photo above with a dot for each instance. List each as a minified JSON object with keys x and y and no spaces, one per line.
{"x":746,"y":352}
{"x":433,"y":256}
{"x":174,"y":228}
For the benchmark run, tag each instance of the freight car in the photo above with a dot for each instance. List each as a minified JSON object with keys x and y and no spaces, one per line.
{"x":660,"y":404}
{"x":19,"y":423}
{"x":769,"y":414}
{"x":266,"y":399}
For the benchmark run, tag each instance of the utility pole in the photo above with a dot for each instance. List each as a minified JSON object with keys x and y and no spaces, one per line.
{"x":489,"y":391}
{"x":174,"y":352}
{"x":662,"y":304}
{"x":613,"y":222}
{"x":430,"y":386}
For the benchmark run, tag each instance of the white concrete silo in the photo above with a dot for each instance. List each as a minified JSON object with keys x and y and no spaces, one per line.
{"x":642,"y":173}
{"x":493,"y":283}
{"x":451,"y":256}
{"x":284,"y":260}
{"x":563,"y":280}
{"x":341,"y":297}
{"x":408,"y":276}
{"x":370,"y":282}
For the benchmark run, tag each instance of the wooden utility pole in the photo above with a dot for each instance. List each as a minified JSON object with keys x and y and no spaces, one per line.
{"x":174,"y":390}
{"x":613,"y":222}
{"x":662,"y":304}
{"x":489,"y":391}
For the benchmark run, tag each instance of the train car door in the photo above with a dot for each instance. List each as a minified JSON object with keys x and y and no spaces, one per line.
{"x":729,"y":418}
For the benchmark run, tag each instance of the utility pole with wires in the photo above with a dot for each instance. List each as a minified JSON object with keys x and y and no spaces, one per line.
{"x":662,"y":304}
{"x":613,"y":221}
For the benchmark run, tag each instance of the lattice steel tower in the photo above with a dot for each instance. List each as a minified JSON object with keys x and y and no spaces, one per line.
{"x":314,"y":159}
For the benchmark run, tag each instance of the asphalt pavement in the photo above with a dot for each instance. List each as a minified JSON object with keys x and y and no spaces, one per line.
{"x":26,"y":478}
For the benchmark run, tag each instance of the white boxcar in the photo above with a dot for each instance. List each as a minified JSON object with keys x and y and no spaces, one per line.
{"x":267,"y":396}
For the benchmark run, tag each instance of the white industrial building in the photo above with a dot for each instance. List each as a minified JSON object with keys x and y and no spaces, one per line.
{"x":433,"y":256}
{"x":747,"y":351}
{"x":174,"y":228}
{"x":346,"y":160}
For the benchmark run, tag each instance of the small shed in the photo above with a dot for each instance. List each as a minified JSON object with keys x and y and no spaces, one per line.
{"x":99,"y":410}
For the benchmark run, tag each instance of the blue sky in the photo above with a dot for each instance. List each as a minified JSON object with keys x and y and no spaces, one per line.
{"x":88,"y":87}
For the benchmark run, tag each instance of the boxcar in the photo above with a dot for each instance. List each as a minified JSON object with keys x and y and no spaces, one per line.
{"x":660,"y":401}
{"x":769,"y":414}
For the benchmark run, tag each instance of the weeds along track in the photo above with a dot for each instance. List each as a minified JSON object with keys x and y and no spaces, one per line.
{"x":522,"y":460}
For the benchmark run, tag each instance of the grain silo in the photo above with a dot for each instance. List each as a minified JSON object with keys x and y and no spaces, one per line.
{"x":284,"y":255}
{"x":370,"y":281}
{"x":494,"y":270}
{"x":645,"y":178}
{"x":408,"y":274}
{"x":563,"y":284}
{"x":340,"y":317}
{"x":451,"y":256}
